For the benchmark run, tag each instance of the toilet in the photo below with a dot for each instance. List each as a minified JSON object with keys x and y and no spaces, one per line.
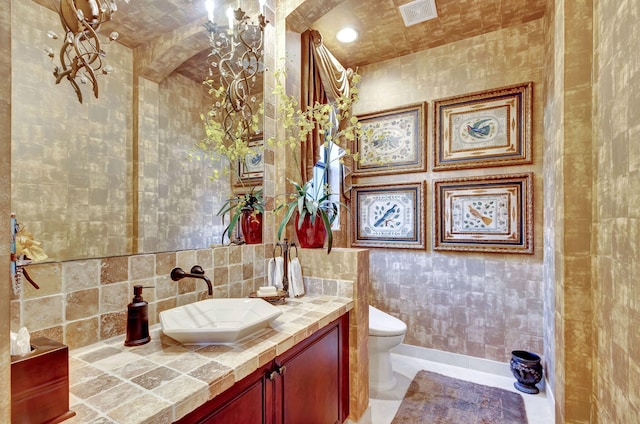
{"x":385,"y":333}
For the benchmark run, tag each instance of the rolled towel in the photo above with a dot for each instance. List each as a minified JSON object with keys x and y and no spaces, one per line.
{"x":296,"y":284}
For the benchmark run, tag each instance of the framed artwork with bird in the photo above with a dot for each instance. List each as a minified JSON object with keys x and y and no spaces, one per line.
{"x":393,"y":141}
{"x":388,"y":215}
{"x":488,"y":213}
{"x":483,"y":129}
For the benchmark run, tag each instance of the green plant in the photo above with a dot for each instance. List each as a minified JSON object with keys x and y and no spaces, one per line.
{"x":299,"y":125}
{"x":315,"y":204}
{"x":250,"y":201}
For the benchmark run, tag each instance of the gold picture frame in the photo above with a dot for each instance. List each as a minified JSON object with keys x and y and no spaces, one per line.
{"x":394,"y":141}
{"x":483,"y":129}
{"x":388,"y":215}
{"x":251,"y":171}
{"x":484,"y":214}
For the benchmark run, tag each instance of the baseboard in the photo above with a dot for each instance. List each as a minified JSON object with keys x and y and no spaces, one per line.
{"x":455,"y":359}
{"x":549,"y":393}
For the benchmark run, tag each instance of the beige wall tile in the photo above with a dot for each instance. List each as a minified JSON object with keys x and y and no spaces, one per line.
{"x":142,"y":266}
{"x":115,"y":297}
{"x":43,"y":312}
{"x":78,"y":275}
{"x":82,"y":304}
{"x":82,"y":332}
{"x":48,"y":276}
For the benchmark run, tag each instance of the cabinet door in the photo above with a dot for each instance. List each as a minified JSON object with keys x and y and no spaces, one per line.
{"x":246,"y":408}
{"x":312,"y":384}
{"x":244,"y":403}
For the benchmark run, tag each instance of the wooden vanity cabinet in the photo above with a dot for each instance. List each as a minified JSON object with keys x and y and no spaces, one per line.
{"x":307,"y":384}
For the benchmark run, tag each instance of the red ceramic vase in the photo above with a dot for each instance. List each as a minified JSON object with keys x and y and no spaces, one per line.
{"x":251,"y":225}
{"x":310,"y":235}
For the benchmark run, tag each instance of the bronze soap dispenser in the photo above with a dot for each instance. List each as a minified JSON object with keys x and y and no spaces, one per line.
{"x":137,"y":319}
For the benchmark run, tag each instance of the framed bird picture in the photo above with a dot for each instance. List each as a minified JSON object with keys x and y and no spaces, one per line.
{"x":393,"y":141}
{"x":388,"y":215}
{"x":483,"y":129}
{"x":486,"y":214}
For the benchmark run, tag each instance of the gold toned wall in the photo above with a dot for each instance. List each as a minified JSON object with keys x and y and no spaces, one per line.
{"x":5,"y":207}
{"x":109,"y":176}
{"x":616,"y":159}
{"x":483,"y":305}
{"x":554,"y":104}
{"x":71,"y":161}
{"x":569,"y":285}
{"x":177,"y":202}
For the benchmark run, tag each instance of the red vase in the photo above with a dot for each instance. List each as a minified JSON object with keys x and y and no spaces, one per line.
{"x":251,"y":225}
{"x":310,"y":235}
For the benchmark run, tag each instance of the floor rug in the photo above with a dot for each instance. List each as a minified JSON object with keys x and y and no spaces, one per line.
{"x":436,"y":399}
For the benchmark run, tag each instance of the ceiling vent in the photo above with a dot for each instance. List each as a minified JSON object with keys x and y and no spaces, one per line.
{"x":418,"y":11}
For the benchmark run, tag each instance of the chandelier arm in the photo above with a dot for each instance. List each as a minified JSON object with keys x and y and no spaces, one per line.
{"x":237,"y":54}
{"x":87,"y":36}
{"x":66,"y":70}
{"x":75,"y":86}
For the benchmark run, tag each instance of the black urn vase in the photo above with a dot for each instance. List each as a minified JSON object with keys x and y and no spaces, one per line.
{"x":527,"y":370}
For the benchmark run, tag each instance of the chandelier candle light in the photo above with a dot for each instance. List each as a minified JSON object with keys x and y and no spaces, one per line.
{"x":236,"y":60}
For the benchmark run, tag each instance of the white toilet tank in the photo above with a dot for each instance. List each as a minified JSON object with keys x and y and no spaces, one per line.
{"x":382,"y":324}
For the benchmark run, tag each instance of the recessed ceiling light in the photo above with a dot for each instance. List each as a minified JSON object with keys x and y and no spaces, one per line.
{"x":347,"y":35}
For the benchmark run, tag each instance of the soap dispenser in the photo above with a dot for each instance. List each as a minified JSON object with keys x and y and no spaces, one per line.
{"x":137,"y":319}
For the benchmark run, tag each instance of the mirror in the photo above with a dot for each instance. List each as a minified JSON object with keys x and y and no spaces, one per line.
{"x":110,"y":176}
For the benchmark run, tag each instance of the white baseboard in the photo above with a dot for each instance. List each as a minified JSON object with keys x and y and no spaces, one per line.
{"x":455,"y":359}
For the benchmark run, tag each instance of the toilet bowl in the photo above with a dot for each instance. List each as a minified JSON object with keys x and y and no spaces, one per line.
{"x":385,"y":333}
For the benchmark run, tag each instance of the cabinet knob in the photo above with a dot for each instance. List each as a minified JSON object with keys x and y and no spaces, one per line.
{"x":282,"y":369}
{"x":273,"y":375}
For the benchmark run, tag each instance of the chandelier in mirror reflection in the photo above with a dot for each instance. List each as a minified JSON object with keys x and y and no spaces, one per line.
{"x":235,"y":65}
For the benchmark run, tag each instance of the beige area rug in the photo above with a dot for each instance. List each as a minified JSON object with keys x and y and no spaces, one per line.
{"x":436,"y":399}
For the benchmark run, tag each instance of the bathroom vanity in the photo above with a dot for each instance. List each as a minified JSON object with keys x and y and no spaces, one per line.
{"x":297,"y":371}
{"x":307,"y":384}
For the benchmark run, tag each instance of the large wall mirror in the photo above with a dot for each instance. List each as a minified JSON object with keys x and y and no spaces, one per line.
{"x":111,"y":176}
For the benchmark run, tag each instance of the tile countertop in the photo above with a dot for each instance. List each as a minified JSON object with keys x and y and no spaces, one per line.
{"x":162,"y":381}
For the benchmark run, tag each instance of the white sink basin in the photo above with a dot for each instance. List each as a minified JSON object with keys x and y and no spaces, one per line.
{"x":217,"y":321}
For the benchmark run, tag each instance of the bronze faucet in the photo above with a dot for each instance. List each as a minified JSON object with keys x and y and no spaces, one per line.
{"x":196,"y":272}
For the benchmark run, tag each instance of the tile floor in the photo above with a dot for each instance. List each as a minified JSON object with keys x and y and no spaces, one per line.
{"x":385,"y":405}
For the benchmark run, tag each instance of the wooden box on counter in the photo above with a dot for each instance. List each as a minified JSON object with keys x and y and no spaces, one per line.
{"x":40,"y":384}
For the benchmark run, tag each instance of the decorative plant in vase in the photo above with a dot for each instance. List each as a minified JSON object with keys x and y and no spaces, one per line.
{"x":247,"y":209}
{"x":229,"y":130}
{"x":314,"y":212}
{"x":314,"y":207}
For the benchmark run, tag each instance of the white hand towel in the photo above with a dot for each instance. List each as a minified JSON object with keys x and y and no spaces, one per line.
{"x":275,"y":274}
{"x":296,"y":284}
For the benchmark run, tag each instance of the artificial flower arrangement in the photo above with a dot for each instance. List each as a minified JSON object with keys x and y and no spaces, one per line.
{"x":228,"y":138}
{"x":339,"y":128}
{"x":229,"y":129}
{"x":28,"y":247}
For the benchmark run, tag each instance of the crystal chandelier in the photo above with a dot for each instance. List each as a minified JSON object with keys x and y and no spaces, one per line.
{"x":236,"y":61}
{"x":81,"y":56}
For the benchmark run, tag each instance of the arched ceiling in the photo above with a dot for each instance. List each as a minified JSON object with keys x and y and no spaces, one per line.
{"x":168,"y":35}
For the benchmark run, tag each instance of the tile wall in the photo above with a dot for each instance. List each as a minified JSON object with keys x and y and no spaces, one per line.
{"x":82,"y":302}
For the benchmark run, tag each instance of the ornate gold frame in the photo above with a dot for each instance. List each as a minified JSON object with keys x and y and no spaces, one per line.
{"x":484,"y":214}
{"x":483,"y":129}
